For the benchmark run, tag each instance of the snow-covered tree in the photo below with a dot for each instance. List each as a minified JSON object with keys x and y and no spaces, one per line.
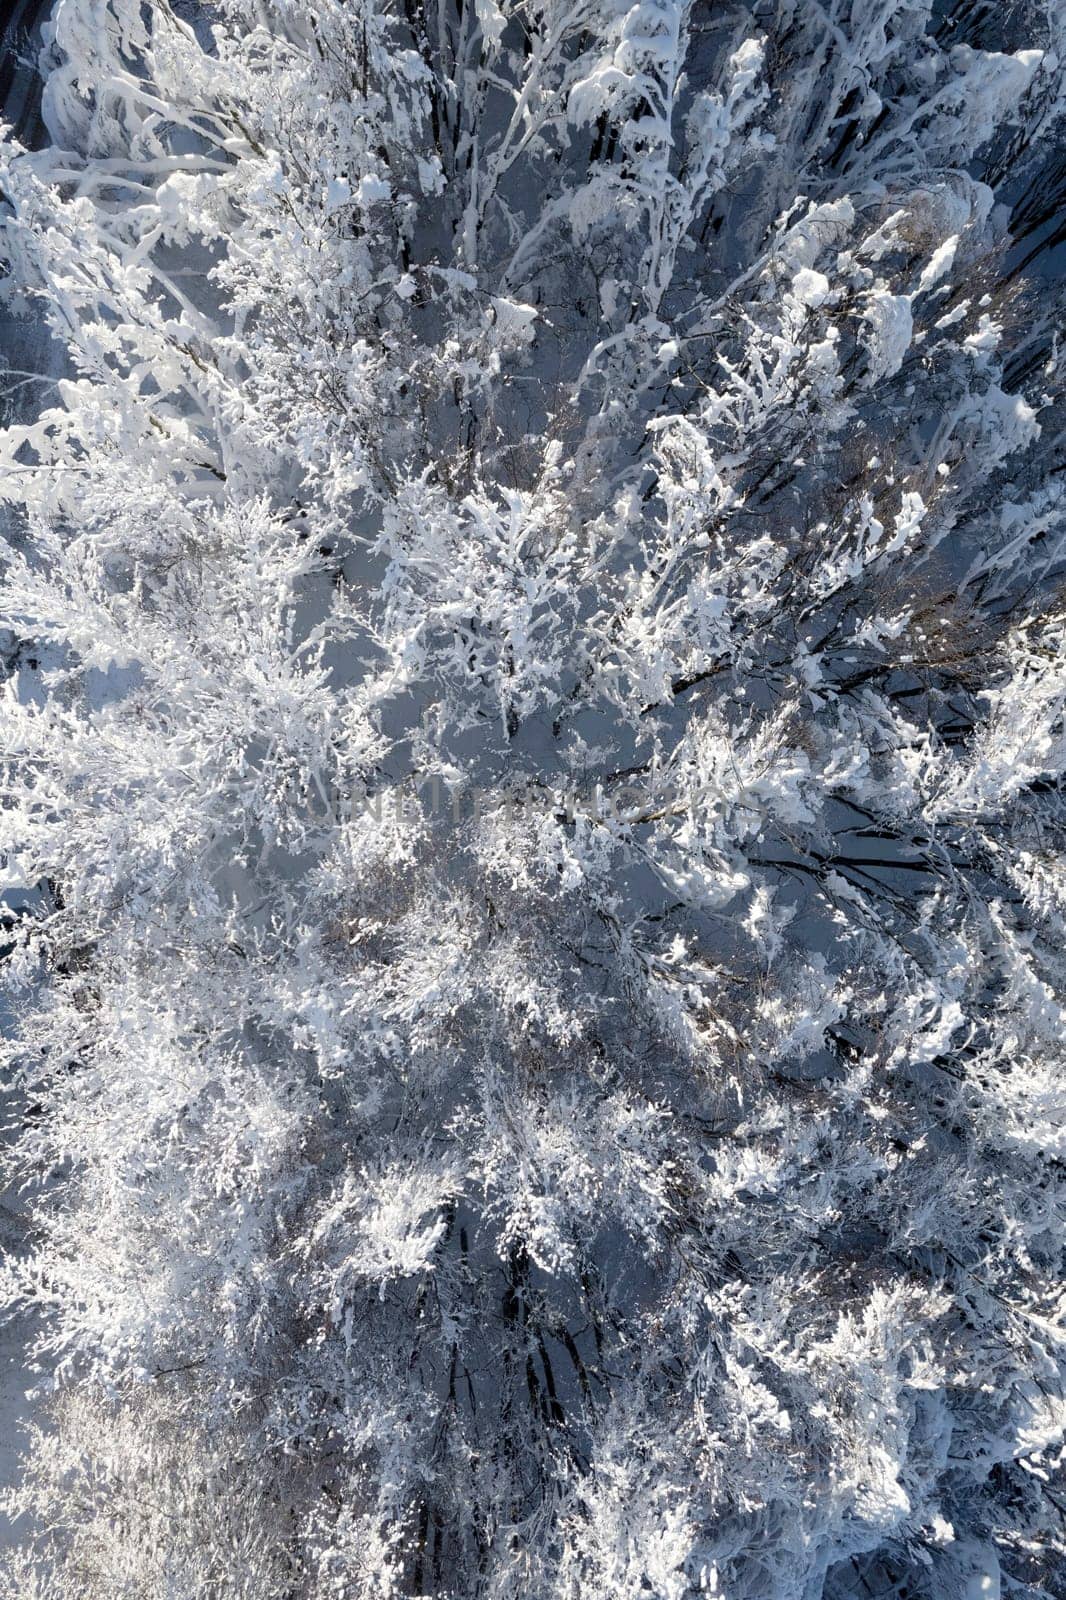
{"x":532,"y":811}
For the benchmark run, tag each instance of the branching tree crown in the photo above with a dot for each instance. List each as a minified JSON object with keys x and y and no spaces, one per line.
{"x":532,"y":810}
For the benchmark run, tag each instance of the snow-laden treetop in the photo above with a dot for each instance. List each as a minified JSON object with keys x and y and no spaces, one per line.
{"x":532,"y":811}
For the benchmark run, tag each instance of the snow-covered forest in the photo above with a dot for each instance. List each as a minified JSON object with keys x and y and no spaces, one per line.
{"x":532,"y":828}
